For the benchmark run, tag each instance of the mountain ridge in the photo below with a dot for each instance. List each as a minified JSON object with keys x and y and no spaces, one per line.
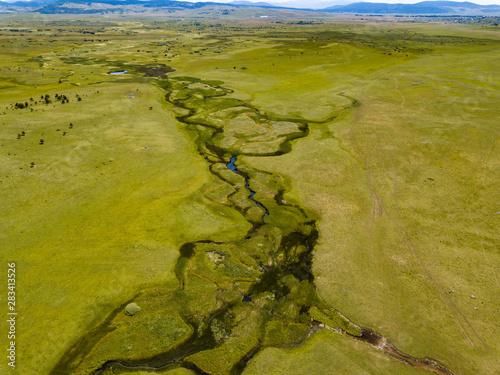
{"x":438,"y":7}
{"x":423,"y":7}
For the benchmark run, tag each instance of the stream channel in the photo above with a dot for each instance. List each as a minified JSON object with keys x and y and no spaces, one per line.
{"x":265,"y":287}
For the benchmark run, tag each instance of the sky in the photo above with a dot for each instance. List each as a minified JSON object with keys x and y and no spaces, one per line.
{"x":317,"y":3}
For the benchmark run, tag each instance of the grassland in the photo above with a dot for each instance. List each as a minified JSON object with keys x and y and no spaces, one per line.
{"x":403,"y":187}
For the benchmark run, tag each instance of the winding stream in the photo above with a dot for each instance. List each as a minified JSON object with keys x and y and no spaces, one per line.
{"x":233,"y":167}
{"x":265,"y":293}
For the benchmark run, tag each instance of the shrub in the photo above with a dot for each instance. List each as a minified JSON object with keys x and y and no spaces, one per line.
{"x":132,"y":309}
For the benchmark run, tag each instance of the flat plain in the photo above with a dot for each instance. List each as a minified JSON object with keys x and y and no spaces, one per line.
{"x":269,"y":193}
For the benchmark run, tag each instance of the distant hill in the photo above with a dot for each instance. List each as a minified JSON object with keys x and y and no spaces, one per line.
{"x":24,"y":4}
{"x":424,"y":7}
{"x":118,"y":6}
{"x":250,"y":3}
{"x":189,"y":8}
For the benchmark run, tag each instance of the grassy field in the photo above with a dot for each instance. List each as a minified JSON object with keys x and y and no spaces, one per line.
{"x":405,"y":189}
{"x":103,"y":181}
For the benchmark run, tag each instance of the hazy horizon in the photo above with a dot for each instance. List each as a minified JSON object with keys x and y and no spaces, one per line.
{"x":317,"y":4}
{"x":314,"y":4}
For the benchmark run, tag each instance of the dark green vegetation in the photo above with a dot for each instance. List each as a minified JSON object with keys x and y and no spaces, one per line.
{"x":269,"y":195}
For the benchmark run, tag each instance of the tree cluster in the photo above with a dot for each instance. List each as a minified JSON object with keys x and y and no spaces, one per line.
{"x":21,"y":105}
{"x":62,"y":98}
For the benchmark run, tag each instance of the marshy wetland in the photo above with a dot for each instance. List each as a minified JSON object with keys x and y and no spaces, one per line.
{"x":276,"y":198}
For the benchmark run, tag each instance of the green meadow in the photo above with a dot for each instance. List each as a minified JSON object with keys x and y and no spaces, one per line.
{"x":269,"y":194}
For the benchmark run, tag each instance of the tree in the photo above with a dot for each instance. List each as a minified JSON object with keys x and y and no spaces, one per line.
{"x":41,"y":142}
